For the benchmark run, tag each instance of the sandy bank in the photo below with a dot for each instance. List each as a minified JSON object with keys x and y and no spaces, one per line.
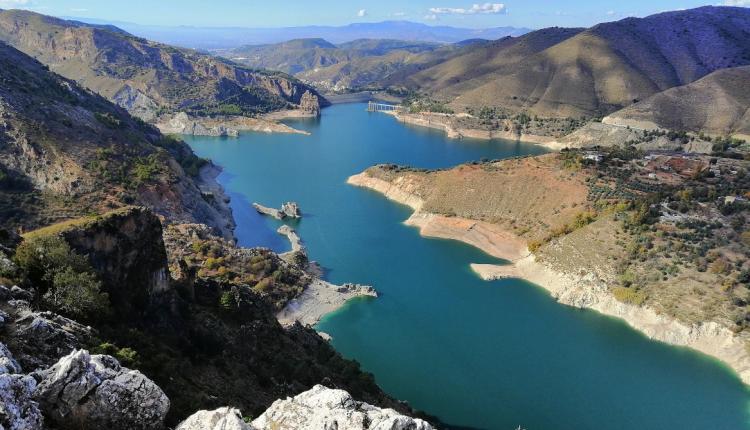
{"x":288,"y":114}
{"x":443,"y":122}
{"x":230,"y":126}
{"x":319,"y":299}
{"x":582,"y":291}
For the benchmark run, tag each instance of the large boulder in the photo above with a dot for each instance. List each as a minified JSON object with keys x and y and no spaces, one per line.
{"x":323,"y":408}
{"x":18,"y":410}
{"x":85,"y":391}
{"x":39,"y":339}
{"x":219,"y":419}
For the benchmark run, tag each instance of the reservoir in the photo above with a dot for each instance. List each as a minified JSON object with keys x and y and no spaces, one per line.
{"x":478,"y":355}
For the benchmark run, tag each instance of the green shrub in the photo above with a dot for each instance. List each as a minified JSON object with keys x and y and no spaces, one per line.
{"x":66,"y":282}
{"x":108,"y":120}
{"x":630,"y":295}
{"x":76,"y":294}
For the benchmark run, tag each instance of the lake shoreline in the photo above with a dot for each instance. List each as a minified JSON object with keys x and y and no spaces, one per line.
{"x":440,"y":122}
{"x":709,"y":338}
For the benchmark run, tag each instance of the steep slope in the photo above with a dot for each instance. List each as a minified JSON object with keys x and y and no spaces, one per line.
{"x":66,"y":152}
{"x":478,"y":65}
{"x":604,"y":68}
{"x":291,"y":57}
{"x":380,"y":70}
{"x":147,"y":78}
{"x":717,"y":104}
{"x":206,"y":342}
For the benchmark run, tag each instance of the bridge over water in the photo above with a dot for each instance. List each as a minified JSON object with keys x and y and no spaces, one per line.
{"x":381,"y":107}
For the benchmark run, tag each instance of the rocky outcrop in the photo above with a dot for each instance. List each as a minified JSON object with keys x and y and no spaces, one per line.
{"x":291,"y":210}
{"x":18,"y":410}
{"x":293,"y":237}
{"x":310,"y":104}
{"x":265,"y":210}
{"x":317,"y":408}
{"x":126,"y":249}
{"x":218,"y":419}
{"x":229,"y":126}
{"x":325,"y":408}
{"x":288,"y":210}
{"x":40,"y":338}
{"x":181,"y":123}
{"x":136,"y":102}
{"x":85,"y":391}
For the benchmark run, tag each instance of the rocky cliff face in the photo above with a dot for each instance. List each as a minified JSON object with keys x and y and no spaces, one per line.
{"x":215,"y":344}
{"x":65,"y":153}
{"x":309,"y":103}
{"x":146,"y":77}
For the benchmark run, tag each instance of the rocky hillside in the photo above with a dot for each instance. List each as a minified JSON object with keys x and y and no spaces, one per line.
{"x":66,"y":152}
{"x":206,"y":341}
{"x":147,"y":78}
{"x":597,"y":71}
{"x":352,"y":65}
{"x":718,"y":104}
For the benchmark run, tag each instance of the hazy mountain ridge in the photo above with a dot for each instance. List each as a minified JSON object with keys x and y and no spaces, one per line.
{"x":349,"y":65}
{"x":147,"y":78}
{"x":232,"y":37}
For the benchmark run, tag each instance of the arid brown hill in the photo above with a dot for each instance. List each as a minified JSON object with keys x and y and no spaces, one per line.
{"x":716,"y":104}
{"x":597,"y":71}
{"x":147,"y":78}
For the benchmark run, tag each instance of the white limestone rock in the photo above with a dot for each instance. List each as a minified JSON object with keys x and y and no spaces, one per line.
{"x":85,"y":391}
{"x":218,"y":419}
{"x":323,"y":408}
{"x":18,"y":410}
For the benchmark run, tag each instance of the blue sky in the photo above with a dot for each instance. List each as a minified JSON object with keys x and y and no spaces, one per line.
{"x":278,"y":13}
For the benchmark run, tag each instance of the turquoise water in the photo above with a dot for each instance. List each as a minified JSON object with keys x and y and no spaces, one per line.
{"x":479,"y":355}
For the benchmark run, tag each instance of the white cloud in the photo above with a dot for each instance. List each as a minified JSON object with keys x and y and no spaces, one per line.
{"x":14,"y":3}
{"x":399,"y":13}
{"x":486,"y":8}
{"x":362,"y":13}
{"x":431,"y":17}
{"x":745,"y":3}
{"x":611,"y":13}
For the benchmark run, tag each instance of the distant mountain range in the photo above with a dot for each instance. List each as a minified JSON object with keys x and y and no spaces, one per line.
{"x":233,"y":37}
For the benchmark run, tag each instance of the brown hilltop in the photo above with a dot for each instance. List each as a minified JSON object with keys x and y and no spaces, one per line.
{"x":717,"y":104}
{"x":143,"y":76}
{"x":599,"y":70}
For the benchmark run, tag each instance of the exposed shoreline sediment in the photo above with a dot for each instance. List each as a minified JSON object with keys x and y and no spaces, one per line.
{"x":577,"y":290}
{"x":441,"y":122}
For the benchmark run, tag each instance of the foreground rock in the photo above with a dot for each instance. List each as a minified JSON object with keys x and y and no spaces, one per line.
{"x":85,"y":391}
{"x":18,"y":410}
{"x":218,"y":419}
{"x":320,"y":408}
